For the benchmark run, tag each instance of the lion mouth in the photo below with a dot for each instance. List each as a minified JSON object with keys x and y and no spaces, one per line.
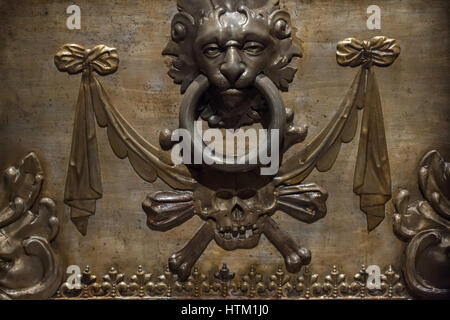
{"x":233,"y":92}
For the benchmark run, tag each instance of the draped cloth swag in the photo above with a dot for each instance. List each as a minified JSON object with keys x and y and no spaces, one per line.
{"x":84,"y":183}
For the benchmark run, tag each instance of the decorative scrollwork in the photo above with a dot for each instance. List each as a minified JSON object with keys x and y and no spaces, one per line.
{"x":252,"y":283}
{"x":113,"y":284}
{"x":359,"y":286}
{"x":141,"y":284}
{"x":391,"y":285}
{"x":426,"y":225}
{"x":335,"y":284}
{"x":168,"y":284}
{"x":88,"y":285}
{"x":196,"y":284}
{"x":280,"y":283}
{"x":308,"y":285}
{"x":29,"y":266}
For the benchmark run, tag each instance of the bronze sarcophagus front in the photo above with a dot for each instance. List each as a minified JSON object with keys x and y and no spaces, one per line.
{"x":259,"y":167}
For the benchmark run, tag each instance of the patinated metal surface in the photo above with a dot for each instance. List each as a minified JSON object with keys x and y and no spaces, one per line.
{"x":29,"y":266}
{"x":35,"y":115}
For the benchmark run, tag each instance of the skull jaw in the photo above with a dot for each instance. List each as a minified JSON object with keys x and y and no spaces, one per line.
{"x":237,"y":243}
{"x":242,"y":240}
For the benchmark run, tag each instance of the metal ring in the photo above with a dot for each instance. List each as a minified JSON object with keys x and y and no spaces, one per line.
{"x":248,"y":161}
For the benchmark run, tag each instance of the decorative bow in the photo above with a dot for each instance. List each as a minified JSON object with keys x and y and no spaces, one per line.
{"x":372,"y":180}
{"x":379,"y":51}
{"x":73,"y":59}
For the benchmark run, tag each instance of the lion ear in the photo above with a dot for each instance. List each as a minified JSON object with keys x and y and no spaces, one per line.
{"x":180,"y":47}
{"x":282,"y":71}
{"x":280,"y":24}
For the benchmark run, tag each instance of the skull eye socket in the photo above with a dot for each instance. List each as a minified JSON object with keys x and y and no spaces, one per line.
{"x":226,"y":195}
{"x":246,"y":194}
{"x":211,"y":50}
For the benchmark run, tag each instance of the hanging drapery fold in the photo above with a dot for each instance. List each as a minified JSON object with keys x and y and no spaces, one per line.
{"x":372,"y":179}
{"x":83,"y":183}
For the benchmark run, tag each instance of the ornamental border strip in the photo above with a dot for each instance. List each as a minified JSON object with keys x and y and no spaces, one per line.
{"x":227,"y":285}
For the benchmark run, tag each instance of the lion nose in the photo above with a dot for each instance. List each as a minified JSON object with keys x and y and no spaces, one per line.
{"x":233,"y":67}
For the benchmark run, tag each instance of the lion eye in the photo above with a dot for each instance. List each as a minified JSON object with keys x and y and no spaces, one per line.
{"x":211,"y":50}
{"x":253,"y":48}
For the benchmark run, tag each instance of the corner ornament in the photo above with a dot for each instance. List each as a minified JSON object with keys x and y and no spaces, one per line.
{"x":426,"y":227}
{"x":29,"y":266}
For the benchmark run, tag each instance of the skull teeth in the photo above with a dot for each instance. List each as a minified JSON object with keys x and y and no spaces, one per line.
{"x":236,"y":228}
{"x":235,"y":232}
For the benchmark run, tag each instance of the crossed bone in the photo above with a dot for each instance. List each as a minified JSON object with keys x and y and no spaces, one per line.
{"x":304,"y":202}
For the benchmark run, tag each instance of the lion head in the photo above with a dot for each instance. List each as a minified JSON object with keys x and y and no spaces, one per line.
{"x":231,"y":42}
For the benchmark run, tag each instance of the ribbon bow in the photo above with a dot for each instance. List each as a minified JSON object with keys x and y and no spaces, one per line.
{"x":83,"y":184}
{"x":372,"y":179}
{"x":379,"y":51}
{"x":73,"y":59}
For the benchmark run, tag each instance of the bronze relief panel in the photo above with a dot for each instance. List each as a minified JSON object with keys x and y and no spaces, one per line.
{"x":236,"y":66}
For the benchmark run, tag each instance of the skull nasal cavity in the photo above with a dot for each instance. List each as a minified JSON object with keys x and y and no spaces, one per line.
{"x":237,"y":213}
{"x":232,"y":68}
